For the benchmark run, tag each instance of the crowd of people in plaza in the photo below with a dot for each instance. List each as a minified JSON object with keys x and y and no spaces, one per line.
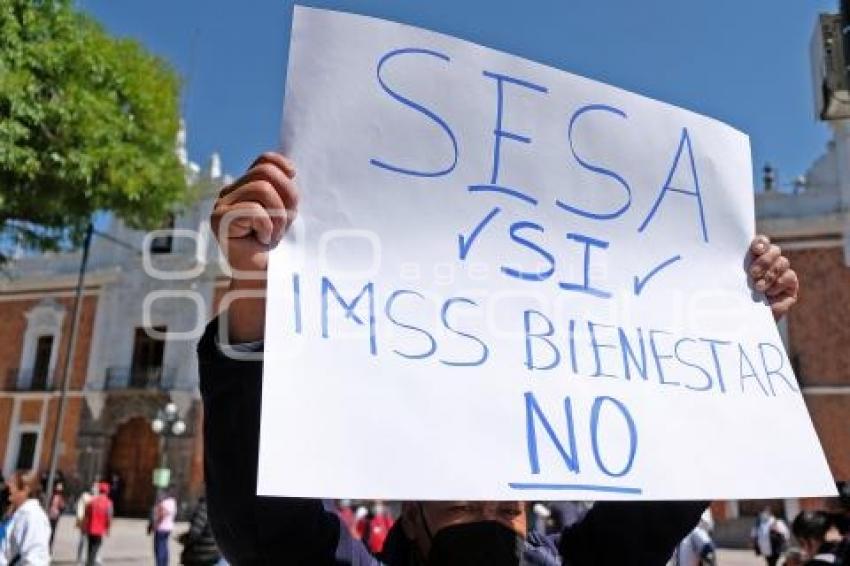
{"x":814,"y":537}
{"x":27,"y":529}
{"x":28,"y":525}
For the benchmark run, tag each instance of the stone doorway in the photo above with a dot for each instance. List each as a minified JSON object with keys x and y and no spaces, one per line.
{"x":133,"y":456}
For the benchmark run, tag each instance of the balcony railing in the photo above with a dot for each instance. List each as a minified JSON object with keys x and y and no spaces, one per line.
{"x":159,"y":378}
{"x":26,"y":379}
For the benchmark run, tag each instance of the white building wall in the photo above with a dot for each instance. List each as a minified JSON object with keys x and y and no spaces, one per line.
{"x":183,"y":281}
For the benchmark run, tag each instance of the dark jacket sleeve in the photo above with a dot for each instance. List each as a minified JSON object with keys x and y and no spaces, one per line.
{"x":251,"y":529}
{"x":198,"y":522}
{"x":619,"y":533}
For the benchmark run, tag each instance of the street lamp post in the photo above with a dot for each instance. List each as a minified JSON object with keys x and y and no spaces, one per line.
{"x":166,"y":424}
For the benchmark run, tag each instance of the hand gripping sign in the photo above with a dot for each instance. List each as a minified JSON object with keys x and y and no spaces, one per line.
{"x":510,"y":282}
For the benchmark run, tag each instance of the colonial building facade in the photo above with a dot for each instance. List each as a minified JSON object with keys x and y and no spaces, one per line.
{"x":146,"y":295}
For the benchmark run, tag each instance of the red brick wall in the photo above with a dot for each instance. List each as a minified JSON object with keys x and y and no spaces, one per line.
{"x":30,"y":411}
{"x":6,"y":405}
{"x":13,"y":324}
{"x":819,"y":333}
{"x":831,"y":416}
{"x":81,"y":355}
{"x":819,"y":325}
{"x":68,"y":459}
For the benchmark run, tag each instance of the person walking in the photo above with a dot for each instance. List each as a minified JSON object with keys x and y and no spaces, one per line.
{"x":55,"y":509}
{"x":164,"y":514}
{"x":770,"y":536}
{"x":83,"y":501}
{"x":98,"y":519}
{"x":27,"y":540}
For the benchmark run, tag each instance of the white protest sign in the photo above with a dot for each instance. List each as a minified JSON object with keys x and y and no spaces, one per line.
{"x":510,"y":282}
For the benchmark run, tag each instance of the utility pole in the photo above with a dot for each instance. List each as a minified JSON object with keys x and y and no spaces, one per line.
{"x":66,"y":369}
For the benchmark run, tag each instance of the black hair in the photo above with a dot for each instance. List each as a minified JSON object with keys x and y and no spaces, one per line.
{"x":811,"y":525}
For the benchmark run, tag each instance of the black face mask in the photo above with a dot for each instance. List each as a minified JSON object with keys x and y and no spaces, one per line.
{"x":483,"y":543}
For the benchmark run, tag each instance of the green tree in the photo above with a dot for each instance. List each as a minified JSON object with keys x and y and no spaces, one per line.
{"x":88,"y":122}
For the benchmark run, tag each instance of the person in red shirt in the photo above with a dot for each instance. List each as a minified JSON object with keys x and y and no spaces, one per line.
{"x":97,"y":521}
{"x":378,"y":525}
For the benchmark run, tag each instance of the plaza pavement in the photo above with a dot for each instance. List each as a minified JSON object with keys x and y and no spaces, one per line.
{"x":128,"y":543}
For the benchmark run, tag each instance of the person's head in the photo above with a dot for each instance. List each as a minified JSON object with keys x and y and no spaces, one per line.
{"x":812,"y":529}
{"x":58,"y":488}
{"x":103,"y":488}
{"x":22,"y":485}
{"x":472,"y":532}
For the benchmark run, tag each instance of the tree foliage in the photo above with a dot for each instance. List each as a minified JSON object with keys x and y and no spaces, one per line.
{"x":88,"y":122}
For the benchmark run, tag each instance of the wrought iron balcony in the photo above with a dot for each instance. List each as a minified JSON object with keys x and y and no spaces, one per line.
{"x":158,"y":378}
{"x":27,"y":379}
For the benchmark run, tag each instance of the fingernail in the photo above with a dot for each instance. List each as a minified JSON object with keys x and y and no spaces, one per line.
{"x":761,"y":285}
{"x":760,"y":247}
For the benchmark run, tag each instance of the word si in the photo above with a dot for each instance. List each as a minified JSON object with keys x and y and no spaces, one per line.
{"x":522,"y":231}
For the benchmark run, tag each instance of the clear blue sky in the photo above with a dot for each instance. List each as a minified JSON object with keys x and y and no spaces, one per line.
{"x":745,"y":62}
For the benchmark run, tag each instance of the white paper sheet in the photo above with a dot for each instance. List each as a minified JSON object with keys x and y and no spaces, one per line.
{"x":573,"y":322}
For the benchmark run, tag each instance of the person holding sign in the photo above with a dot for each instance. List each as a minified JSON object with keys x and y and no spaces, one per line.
{"x":249,"y":218}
